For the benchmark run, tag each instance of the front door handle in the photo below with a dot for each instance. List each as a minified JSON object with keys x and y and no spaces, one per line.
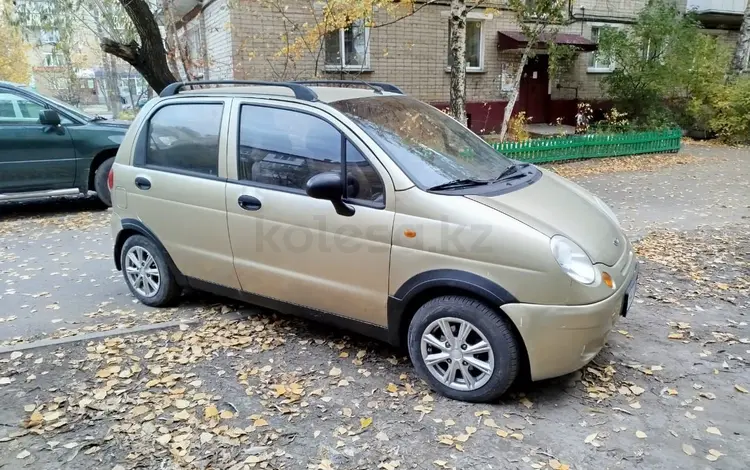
{"x":142,"y":183}
{"x":249,"y":203}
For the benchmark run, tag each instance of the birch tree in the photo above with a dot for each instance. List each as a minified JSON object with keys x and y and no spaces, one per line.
{"x":457,"y":54}
{"x":538,"y":20}
{"x":742,"y":51}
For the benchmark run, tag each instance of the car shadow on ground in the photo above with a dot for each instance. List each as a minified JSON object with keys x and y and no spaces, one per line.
{"x":16,"y":210}
{"x":550,"y":392}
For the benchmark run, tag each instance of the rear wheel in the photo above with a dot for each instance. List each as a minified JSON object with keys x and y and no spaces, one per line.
{"x":100,"y":181}
{"x":147,"y":274}
{"x":463,"y":349}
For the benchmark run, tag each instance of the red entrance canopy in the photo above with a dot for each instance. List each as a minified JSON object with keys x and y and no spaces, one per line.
{"x":508,"y":40}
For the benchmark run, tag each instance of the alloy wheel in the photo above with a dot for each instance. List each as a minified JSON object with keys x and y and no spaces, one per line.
{"x":142,"y":271}
{"x":457,"y":353}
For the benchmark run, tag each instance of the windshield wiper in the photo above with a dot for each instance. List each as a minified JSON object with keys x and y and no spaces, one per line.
{"x":461,"y":183}
{"x":512,"y":168}
{"x":98,"y":118}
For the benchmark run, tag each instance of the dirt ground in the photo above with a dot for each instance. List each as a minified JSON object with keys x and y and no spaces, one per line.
{"x":244,"y":388}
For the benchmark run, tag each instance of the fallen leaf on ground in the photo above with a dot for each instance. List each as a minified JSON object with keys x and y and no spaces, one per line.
{"x":526,"y":402}
{"x":334,"y":372}
{"x":635,"y":405}
{"x":688,"y":449}
{"x":713,"y":430}
{"x":740,"y":388}
{"x":365,"y":422}
{"x":640,"y":435}
{"x":23,"y":454}
{"x":636,"y":390}
{"x":211,"y":412}
{"x":713,"y":455}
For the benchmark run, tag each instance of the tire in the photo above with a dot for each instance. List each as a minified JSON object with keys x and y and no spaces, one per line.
{"x":100,"y":181}
{"x":166,"y":291}
{"x":486,"y":325}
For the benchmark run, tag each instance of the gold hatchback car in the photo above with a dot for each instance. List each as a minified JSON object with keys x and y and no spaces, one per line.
{"x":352,"y":203}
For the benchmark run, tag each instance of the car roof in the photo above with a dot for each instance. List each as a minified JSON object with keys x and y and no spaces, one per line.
{"x":325,"y":94}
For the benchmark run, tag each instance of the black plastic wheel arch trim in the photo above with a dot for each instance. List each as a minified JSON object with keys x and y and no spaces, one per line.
{"x":139,"y":227}
{"x":478,"y":286}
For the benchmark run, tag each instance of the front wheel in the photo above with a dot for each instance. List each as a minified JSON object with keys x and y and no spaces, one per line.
{"x":100,"y":181}
{"x":463,"y":349}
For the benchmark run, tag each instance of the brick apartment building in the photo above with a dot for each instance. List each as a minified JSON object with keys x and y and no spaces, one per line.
{"x":242,"y":39}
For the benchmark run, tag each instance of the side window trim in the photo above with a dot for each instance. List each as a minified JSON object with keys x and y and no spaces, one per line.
{"x":339,"y":126}
{"x":141,"y":144}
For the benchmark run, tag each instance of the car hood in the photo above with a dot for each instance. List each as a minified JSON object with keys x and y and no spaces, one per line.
{"x":556,"y":206}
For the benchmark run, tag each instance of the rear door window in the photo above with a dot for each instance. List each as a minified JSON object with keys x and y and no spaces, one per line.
{"x":185,"y":137}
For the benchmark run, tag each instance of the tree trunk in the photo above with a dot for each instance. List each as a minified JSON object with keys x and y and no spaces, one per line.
{"x":171,"y":37}
{"x":149,"y":58}
{"x":742,"y":51}
{"x":114,"y":87}
{"x":516,"y":89}
{"x":457,"y":46}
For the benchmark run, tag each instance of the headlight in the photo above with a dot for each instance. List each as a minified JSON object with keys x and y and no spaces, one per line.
{"x":572,"y":259}
{"x":604,"y":207}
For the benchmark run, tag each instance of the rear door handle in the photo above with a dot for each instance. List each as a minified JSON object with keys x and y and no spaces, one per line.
{"x":142,"y":183}
{"x":249,"y":203}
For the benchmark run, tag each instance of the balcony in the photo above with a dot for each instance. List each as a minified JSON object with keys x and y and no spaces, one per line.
{"x":718,"y":13}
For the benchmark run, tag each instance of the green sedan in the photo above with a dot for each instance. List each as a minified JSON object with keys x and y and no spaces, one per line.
{"x":49,"y":148}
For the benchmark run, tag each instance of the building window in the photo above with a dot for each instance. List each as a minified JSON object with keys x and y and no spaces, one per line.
{"x":49,"y":37}
{"x":596,"y":62}
{"x":52,"y":60}
{"x":474,"y":46}
{"x":348,"y":48}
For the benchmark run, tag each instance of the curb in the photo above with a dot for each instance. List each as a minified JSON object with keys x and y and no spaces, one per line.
{"x":44,"y":343}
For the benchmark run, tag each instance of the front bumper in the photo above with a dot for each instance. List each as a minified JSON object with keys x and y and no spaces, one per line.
{"x":561,"y":339}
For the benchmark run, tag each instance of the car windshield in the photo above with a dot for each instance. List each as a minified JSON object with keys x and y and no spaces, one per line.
{"x":62,"y":105}
{"x":432,"y":148}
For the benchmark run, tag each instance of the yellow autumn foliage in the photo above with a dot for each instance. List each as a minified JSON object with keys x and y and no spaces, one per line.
{"x":14,"y":63}
{"x":337,"y":14}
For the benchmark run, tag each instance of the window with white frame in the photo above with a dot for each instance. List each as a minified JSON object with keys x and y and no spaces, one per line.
{"x":474,"y":46}
{"x":49,"y":37}
{"x":348,"y":48}
{"x":597,"y":63}
{"x":52,"y":60}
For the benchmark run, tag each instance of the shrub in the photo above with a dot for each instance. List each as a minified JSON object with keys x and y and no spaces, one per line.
{"x":517,"y":131}
{"x":730,"y":116}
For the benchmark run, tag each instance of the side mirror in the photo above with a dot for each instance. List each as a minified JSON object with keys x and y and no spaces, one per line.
{"x":328,"y":186}
{"x":49,"y":117}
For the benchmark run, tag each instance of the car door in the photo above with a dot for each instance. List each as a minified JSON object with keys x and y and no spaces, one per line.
{"x":290,"y":247}
{"x":33,"y":157}
{"x":176,"y":186}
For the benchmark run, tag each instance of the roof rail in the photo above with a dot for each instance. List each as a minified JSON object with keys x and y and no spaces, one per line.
{"x":377,"y":86}
{"x":301,"y":92}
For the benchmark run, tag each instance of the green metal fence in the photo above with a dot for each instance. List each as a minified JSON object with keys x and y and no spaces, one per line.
{"x":591,"y":146}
